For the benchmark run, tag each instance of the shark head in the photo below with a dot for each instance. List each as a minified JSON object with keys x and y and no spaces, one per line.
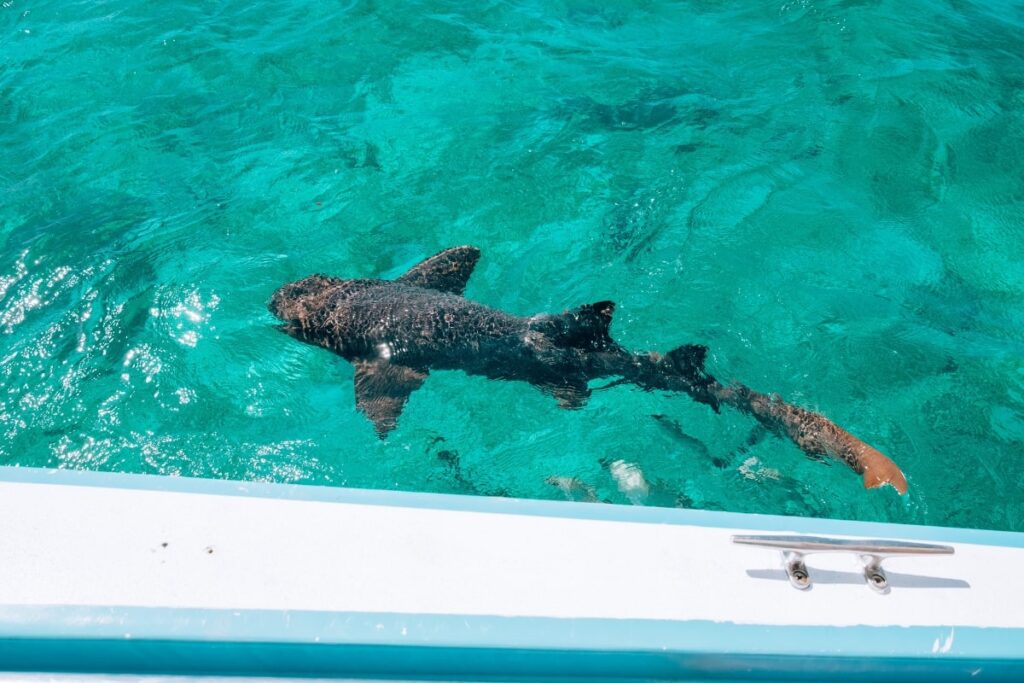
{"x":297,"y":303}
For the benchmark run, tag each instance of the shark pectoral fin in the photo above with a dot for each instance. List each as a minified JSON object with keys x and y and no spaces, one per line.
{"x":448,"y":271}
{"x":382,"y":389}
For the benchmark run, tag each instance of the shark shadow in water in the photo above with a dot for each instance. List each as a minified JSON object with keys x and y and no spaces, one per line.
{"x":395,"y":332}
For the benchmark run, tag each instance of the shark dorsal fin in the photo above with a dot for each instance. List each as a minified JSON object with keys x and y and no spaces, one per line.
{"x":584,"y":327}
{"x":592,"y":322}
{"x":448,"y":271}
{"x":382,"y":389}
{"x":688,"y":362}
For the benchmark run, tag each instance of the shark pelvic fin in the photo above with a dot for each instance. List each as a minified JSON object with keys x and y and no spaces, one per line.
{"x":448,"y":271}
{"x":382,"y":389}
{"x":570,"y":396}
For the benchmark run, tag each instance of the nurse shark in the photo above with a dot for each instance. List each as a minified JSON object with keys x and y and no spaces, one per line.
{"x":395,"y":332}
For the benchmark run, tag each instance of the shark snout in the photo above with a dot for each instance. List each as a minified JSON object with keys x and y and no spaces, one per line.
{"x":279,"y":301}
{"x":294,"y":300}
{"x":288,"y":306}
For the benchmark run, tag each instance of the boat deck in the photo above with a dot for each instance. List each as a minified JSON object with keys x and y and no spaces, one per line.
{"x":133,"y":574}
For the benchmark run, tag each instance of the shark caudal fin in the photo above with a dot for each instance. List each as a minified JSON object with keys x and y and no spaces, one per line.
{"x":879,"y":470}
{"x":687,"y":361}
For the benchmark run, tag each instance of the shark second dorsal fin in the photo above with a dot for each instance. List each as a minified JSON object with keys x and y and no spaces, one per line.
{"x":382,"y":389}
{"x":584,"y":327}
{"x":448,"y":271}
{"x":688,"y":362}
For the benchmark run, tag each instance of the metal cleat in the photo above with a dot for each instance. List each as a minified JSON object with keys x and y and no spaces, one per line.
{"x":870,"y":551}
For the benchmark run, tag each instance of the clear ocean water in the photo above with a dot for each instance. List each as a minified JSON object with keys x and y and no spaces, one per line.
{"x":830,"y":195}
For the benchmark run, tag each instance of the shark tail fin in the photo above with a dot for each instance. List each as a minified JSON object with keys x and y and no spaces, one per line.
{"x":879,"y":470}
{"x":687,"y":361}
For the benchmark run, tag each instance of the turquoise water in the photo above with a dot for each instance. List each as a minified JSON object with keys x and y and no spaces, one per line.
{"x":830,"y":195}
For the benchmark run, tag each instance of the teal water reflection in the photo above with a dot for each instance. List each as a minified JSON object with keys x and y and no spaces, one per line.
{"x":830,"y":195}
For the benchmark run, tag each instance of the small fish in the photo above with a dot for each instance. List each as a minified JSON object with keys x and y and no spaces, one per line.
{"x":630,"y":479}
{"x":573,"y":488}
{"x":451,"y":461}
{"x":675,"y":430}
{"x":753,"y":470}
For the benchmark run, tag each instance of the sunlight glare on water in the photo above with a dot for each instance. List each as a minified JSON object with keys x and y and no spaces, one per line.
{"x":830,"y":195}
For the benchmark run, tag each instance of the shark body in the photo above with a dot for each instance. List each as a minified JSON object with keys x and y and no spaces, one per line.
{"x":395,"y":332}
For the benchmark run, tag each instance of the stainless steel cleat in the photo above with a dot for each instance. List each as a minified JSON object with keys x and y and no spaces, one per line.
{"x":870,"y":551}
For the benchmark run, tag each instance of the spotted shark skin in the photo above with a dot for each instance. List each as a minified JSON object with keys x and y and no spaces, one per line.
{"x":394,"y":332}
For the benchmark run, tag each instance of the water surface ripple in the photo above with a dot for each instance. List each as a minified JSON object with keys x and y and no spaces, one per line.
{"x":829,"y":194}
